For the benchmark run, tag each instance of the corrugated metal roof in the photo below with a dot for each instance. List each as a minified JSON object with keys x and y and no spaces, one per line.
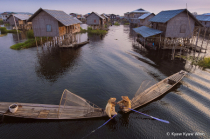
{"x":98,"y":15}
{"x":77,"y":20}
{"x":145,"y":15}
{"x":22,"y":16}
{"x":139,"y":11}
{"x":165,"y":16}
{"x":203,"y":17}
{"x":206,"y":14}
{"x":61,"y":16}
{"x":146,"y":31}
{"x":104,"y":16}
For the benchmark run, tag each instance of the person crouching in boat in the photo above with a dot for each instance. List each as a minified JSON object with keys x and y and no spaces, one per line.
{"x":110,"y":107}
{"x":125,"y":104}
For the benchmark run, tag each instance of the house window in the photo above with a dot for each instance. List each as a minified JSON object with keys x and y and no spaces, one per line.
{"x":183,"y":28}
{"x":49,"y":28}
{"x":94,"y":21}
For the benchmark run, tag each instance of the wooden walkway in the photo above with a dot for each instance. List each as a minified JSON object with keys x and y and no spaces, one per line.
{"x":46,"y":111}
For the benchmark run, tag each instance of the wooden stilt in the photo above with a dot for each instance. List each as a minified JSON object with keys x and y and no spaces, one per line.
{"x":36,"y":42}
{"x":203,"y":39}
{"x":41,"y":42}
{"x":207,"y":43}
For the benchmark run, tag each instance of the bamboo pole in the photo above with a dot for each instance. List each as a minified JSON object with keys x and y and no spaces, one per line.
{"x":41,"y":42}
{"x":203,"y":39}
{"x":16,"y":27}
{"x":207,"y":43}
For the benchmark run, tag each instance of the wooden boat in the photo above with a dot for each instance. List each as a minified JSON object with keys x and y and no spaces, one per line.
{"x":71,"y":107}
{"x":143,"y":97}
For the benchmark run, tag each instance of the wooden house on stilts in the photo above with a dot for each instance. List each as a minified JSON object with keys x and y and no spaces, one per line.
{"x":55,"y":24}
{"x":177,"y":30}
{"x":95,"y":20}
{"x":20,"y":20}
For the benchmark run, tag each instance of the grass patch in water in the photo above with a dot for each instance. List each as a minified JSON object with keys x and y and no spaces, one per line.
{"x":93,"y":31}
{"x":205,"y":63}
{"x":4,"y":30}
{"x":116,"y":24}
{"x":29,"y":43}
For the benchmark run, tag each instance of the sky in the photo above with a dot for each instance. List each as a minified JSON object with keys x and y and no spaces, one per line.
{"x":104,"y":6}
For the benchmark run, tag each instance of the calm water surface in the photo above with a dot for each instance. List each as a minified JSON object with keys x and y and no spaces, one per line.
{"x":109,"y":66}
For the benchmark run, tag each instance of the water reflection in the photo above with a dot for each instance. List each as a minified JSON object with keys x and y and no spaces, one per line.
{"x":55,"y":62}
{"x":95,"y":38}
{"x":22,"y":37}
{"x":162,"y":60}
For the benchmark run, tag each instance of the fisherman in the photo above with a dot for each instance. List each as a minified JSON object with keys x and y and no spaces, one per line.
{"x":125,"y":104}
{"x":110,"y":107}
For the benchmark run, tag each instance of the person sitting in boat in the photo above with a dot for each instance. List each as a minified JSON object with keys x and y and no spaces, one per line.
{"x":125,"y":103}
{"x":110,"y":107}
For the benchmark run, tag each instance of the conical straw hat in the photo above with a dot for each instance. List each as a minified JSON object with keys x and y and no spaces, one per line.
{"x":125,"y":98}
{"x":112,"y":99}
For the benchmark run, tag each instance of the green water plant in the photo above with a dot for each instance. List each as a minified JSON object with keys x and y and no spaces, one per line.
{"x":116,"y":24}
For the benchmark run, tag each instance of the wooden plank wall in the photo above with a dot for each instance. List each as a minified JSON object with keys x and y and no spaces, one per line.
{"x":91,"y":18}
{"x":174,"y":26}
{"x":40,"y":22}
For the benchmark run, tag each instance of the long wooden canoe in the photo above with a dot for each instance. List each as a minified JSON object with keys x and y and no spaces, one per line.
{"x":70,"y":109}
{"x":157,"y":90}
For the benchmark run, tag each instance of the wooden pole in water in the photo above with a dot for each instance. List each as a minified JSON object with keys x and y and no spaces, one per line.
{"x":203,"y":39}
{"x":207,"y":43}
{"x":160,"y":41}
{"x":36,"y":42}
{"x":16,"y":27}
{"x":41,"y":42}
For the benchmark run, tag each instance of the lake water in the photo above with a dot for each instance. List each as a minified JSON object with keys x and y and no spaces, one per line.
{"x":109,"y":66}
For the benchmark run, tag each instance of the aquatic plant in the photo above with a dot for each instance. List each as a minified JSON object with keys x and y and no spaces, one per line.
{"x":126,"y":24}
{"x":29,"y":43}
{"x":82,"y":30}
{"x":205,"y":63}
{"x":1,"y":22}
{"x":116,"y":24}
{"x":30,"y":34}
{"x":93,"y":31}
{"x":4,"y":30}
{"x":98,"y":32}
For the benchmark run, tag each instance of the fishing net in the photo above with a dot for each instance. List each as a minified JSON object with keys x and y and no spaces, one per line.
{"x":148,"y":90}
{"x":72,"y":105}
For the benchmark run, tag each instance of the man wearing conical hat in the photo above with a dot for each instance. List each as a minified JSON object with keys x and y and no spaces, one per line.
{"x":125,"y":103}
{"x":110,"y":107}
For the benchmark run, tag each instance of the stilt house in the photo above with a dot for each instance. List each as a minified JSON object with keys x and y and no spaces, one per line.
{"x":20,"y":20}
{"x":106,"y":17}
{"x":134,"y":15}
{"x":95,"y":20}
{"x":144,"y":19}
{"x":204,"y":19}
{"x":175,"y":23}
{"x":53,"y":23}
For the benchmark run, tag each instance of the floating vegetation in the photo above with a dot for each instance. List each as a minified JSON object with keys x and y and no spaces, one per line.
{"x":116,"y":24}
{"x":205,"y":63}
{"x":201,"y":62}
{"x":29,"y":43}
{"x":4,"y":30}
{"x":93,"y":31}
